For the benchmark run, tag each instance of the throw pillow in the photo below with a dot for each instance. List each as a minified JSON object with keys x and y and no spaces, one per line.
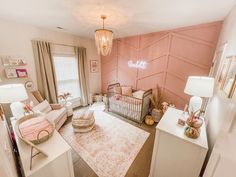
{"x":43,"y":107}
{"x":117,"y":90}
{"x":126,"y":90}
{"x":138,"y":94}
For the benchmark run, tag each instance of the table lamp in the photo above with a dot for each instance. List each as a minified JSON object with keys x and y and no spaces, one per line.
{"x":11,"y":93}
{"x":198,"y":87}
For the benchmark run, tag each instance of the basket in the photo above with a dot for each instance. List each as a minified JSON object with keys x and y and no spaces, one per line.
{"x":35,"y":128}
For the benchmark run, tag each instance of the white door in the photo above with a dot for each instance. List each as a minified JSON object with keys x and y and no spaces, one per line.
{"x":7,"y":164}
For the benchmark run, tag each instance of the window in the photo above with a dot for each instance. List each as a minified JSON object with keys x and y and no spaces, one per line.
{"x":66,"y":68}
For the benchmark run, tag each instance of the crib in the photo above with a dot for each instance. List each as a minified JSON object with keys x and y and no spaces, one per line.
{"x":128,"y":106}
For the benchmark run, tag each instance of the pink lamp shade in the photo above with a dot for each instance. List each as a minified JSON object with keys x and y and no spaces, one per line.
{"x":12,"y":93}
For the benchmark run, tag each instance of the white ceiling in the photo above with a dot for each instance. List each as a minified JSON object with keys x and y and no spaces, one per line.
{"x":125,"y":17}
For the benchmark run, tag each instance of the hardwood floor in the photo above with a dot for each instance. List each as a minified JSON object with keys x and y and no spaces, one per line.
{"x":139,"y":168}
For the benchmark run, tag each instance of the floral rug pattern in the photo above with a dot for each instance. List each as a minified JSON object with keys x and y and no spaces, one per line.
{"x":110,"y":148}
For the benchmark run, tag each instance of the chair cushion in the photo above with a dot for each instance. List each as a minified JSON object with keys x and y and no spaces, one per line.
{"x":43,"y":107}
{"x":56,"y":115}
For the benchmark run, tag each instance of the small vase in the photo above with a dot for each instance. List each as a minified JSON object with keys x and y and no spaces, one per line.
{"x":194,"y":122}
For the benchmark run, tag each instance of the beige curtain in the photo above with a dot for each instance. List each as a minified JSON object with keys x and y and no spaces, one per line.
{"x":45,"y":70}
{"x":83,"y":75}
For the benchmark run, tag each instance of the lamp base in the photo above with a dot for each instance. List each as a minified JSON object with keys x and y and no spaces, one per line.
{"x":195,"y":103}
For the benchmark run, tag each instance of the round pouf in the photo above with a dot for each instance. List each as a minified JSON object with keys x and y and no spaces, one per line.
{"x":83,"y":122}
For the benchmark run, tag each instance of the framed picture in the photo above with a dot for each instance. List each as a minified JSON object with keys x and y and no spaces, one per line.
{"x":9,"y":61}
{"x":227,"y":77}
{"x":94,"y":66}
{"x":21,"y":73}
{"x":11,"y":73}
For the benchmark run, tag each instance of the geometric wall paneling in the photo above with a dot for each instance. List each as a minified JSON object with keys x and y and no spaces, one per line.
{"x":175,"y":85}
{"x":125,"y":79}
{"x":204,"y":32}
{"x":171,"y":97}
{"x":151,"y":38}
{"x":155,"y":66}
{"x":150,"y":81}
{"x":176,"y":66}
{"x":171,"y":57}
{"x":191,"y":50}
{"x":155,"y":50}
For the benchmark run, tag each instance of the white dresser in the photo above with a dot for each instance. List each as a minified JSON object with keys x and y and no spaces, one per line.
{"x":174,"y":154}
{"x":58,"y":163}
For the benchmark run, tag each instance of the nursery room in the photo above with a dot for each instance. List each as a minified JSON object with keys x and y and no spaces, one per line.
{"x":103,"y":88}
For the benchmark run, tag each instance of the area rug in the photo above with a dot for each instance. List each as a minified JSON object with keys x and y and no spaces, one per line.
{"x":111,"y":147}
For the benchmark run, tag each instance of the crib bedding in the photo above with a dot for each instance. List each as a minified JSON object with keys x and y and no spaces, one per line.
{"x":134,"y":106}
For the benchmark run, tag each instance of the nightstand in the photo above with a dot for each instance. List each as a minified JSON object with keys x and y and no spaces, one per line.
{"x":174,"y":154}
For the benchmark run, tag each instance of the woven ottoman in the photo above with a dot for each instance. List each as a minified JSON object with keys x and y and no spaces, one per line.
{"x":83,"y":122}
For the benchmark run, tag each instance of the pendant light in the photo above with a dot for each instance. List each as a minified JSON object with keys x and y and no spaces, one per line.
{"x":103,"y":39}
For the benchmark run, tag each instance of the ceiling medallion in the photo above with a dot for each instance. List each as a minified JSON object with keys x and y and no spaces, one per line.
{"x":103,"y":39}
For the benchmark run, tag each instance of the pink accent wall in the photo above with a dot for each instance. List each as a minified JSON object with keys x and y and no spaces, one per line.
{"x":171,"y":57}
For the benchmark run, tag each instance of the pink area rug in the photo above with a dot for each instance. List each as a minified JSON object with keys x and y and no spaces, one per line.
{"x":111,"y":147}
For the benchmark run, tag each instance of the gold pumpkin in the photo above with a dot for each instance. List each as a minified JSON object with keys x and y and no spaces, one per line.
{"x":149,"y":120}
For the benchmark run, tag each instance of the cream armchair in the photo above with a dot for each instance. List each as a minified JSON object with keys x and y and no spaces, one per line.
{"x":54,"y":112}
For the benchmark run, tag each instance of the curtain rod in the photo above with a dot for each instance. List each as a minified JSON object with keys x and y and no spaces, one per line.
{"x":68,"y":45}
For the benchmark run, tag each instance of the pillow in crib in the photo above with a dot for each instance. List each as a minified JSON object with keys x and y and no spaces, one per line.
{"x":138,"y":94}
{"x":117,"y":89}
{"x":126,"y":90}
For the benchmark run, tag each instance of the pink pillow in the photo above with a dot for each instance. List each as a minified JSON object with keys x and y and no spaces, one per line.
{"x":29,"y":129}
{"x":126,"y":90}
{"x":117,"y":89}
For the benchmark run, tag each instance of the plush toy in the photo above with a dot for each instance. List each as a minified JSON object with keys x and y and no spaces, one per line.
{"x":149,"y":120}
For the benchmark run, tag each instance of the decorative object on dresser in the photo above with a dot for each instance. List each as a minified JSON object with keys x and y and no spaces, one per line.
{"x":9,"y":94}
{"x":171,"y":147}
{"x":134,"y":106}
{"x":34,"y":129}
{"x":198,"y":87}
{"x":58,"y":163}
{"x":83,"y":122}
{"x":194,"y":123}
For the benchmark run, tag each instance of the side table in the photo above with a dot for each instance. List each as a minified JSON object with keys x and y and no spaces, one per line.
{"x":69,"y":108}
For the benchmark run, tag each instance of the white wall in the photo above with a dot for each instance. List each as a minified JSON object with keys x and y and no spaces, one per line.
{"x":15,"y":40}
{"x":221,"y":109}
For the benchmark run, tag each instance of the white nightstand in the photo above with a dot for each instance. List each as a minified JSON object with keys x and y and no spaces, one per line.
{"x":174,"y":154}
